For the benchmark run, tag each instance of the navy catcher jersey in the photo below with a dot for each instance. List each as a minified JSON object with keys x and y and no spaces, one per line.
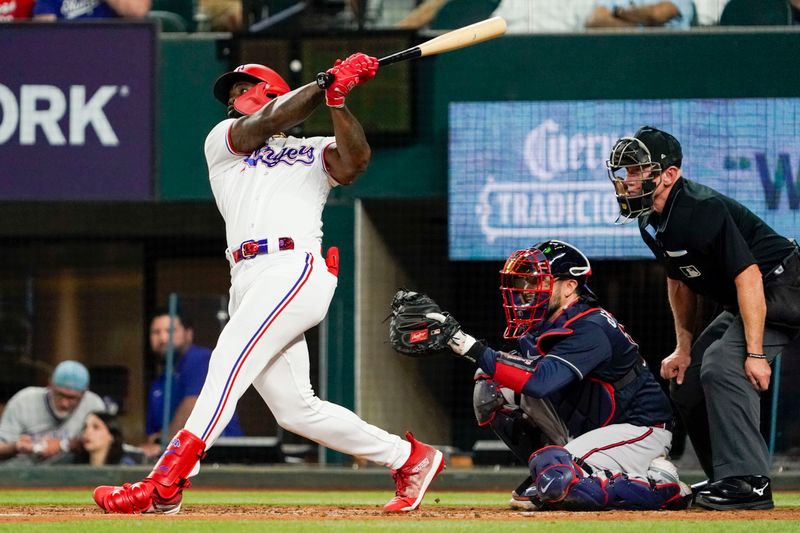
{"x":613,"y":385}
{"x":589,"y":368}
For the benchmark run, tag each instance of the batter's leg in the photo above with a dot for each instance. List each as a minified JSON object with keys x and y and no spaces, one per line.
{"x":270,"y":316}
{"x":286,"y":388}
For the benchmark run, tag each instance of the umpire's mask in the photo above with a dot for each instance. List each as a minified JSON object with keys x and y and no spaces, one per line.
{"x":633,"y":173}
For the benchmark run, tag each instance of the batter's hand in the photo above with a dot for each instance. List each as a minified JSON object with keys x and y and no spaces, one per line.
{"x":674,"y":366}
{"x":757,"y":372}
{"x":355,"y":70}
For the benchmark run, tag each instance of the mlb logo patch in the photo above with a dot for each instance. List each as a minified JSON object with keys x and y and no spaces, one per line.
{"x":691,"y":271}
{"x":418,"y":336}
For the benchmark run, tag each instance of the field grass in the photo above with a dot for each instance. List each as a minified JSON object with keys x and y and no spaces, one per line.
{"x":196,"y":500}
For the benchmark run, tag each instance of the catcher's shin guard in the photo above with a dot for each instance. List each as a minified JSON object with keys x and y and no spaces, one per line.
{"x":161,"y":491}
{"x":562,"y":484}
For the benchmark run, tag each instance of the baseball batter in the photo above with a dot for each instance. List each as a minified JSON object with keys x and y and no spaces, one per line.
{"x":271,"y":189}
{"x":584,"y":385}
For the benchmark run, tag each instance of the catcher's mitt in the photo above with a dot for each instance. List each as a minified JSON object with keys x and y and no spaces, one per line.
{"x":412,"y":329}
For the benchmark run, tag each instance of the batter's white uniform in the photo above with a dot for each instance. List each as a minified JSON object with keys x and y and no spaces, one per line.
{"x":278,"y":191}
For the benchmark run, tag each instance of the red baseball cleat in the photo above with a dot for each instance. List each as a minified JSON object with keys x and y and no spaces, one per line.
{"x":162,"y":490}
{"x":141,"y":497}
{"x":415,"y":476}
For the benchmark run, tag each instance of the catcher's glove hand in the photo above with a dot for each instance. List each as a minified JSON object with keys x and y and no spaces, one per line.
{"x":418,"y":326}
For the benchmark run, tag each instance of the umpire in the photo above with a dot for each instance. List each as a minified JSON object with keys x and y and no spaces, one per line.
{"x":713,"y":246}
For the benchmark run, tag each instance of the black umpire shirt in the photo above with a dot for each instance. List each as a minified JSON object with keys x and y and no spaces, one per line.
{"x":705,"y":239}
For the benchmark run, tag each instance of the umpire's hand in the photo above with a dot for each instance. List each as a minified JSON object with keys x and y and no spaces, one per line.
{"x":675,"y":364}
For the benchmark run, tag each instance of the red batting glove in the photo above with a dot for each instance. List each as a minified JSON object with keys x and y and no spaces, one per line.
{"x":355,"y":70}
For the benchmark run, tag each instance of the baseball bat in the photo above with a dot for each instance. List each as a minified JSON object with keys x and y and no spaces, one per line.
{"x":452,"y":40}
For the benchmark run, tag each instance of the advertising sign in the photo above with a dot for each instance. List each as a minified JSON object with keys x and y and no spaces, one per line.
{"x":523,"y":172}
{"x":77,"y":111}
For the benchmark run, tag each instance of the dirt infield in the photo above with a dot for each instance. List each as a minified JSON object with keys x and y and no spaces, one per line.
{"x":34,"y":514}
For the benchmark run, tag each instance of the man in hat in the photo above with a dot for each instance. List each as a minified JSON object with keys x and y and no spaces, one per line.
{"x":711,"y":245}
{"x":41,"y":422}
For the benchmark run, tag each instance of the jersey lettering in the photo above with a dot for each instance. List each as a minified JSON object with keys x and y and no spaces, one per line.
{"x":614,"y":324}
{"x":288,"y":155}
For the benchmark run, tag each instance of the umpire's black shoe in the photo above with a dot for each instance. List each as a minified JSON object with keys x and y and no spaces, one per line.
{"x":736,"y":493}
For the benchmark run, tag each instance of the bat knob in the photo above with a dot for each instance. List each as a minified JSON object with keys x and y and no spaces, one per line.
{"x":324,"y":80}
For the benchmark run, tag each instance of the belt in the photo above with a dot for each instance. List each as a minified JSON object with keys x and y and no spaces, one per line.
{"x":664,"y":425}
{"x":250,"y":249}
{"x":778,"y":269}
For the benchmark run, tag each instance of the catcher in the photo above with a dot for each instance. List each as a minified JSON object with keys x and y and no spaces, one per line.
{"x":592,"y":423}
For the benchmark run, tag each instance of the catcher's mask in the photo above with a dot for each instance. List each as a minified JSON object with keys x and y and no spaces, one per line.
{"x":526,"y":285}
{"x":634,"y":166}
{"x":274,"y":86}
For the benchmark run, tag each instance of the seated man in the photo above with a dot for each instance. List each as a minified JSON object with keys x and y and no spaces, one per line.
{"x":600,"y":421}
{"x":191,"y":367}
{"x":39,"y":423}
{"x":675,"y":14}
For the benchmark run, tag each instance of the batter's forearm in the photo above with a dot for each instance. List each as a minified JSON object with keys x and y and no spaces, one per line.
{"x":279,"y":115}
{"x":683,"y":302}
{"x":351,"y":145}
{"x":752,"y":307}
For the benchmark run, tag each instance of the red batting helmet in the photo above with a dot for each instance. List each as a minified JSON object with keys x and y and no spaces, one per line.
{"x":254,"y":73}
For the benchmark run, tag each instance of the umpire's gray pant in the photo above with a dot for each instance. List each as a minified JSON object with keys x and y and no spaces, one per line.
{"x":719,"y":406}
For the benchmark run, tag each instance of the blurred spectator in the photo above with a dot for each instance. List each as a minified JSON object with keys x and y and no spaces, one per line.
{"x":421,"y":15}
{"x":448,"y":14}
{"x":222,"y":15}
{"x":51,"y":10}
{"x":676,"y":14}
{"x":101,"y":443}
{"x":39,"y":423}
{"x":11,"y":10}
{"x":761,"y":13}
{"x":543,"y":16}
{"x":708,"y":11}
{"x":190,"y":369}
{"x":380,"y":14}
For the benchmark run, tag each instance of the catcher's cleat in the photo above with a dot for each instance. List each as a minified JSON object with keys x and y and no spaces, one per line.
{"x":528,"y":500}
{"x":161,"y":491}
{"x":415,"y":476}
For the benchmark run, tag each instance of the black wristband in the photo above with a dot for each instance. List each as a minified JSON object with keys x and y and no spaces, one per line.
{"x":756,"y":355}
{"x":476,"y":350}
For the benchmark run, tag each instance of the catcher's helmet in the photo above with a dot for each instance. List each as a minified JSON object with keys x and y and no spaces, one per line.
{"x":527,"y":280}
{"x":254,"y":73}
{"x":634,"y":166}
{"x":567,"y":262}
